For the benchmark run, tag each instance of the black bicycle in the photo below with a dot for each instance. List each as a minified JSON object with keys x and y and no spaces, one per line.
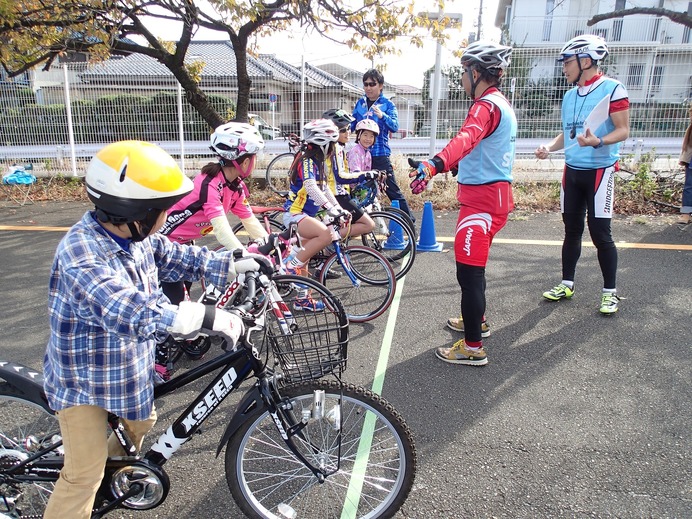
{"x":394,"y":235}
{"x":298,"y":445}
{"x":278,"y":171}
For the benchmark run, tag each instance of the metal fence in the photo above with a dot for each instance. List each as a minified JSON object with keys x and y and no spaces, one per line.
{"x":60,"y":117}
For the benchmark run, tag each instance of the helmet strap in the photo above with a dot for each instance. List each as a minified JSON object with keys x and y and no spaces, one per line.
{"x":134,"y":231}
{"x":146,"y":224}
{"x":244,"y":173}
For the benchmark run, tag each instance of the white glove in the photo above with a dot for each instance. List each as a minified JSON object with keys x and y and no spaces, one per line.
{"x":195,"y":318}
{"x":369,"y":175}
{"x":260,"y":241}
{"x":337,"y":212}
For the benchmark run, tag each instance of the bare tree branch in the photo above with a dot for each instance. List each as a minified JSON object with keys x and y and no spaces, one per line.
{"x":677,"y":17}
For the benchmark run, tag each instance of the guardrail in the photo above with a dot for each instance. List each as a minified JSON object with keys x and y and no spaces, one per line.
{"x":408,"y":146}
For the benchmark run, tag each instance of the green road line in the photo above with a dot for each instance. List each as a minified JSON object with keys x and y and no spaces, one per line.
{"x":355,"y":486}
{"x":382,"y":362}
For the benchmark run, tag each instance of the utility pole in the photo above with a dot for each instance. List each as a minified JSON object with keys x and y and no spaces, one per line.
{"x":480,"y":22}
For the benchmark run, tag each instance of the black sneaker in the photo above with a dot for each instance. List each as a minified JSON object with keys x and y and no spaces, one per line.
{"x":331,"y":273}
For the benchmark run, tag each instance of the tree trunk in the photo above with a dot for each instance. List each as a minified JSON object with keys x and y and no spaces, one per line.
{"x":244,"y":83}
{"x":195,"y":96}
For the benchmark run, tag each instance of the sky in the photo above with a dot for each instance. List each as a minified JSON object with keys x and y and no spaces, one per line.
{"x":407,"y":69}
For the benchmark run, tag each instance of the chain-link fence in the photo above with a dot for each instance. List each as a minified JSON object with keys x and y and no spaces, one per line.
{"x":65,"y":114}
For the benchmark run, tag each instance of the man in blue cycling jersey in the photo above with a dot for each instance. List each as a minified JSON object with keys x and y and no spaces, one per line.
{"x":595,"y":120}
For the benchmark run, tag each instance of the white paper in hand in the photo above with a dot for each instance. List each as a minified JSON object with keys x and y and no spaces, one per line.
{"x":596,"y":117}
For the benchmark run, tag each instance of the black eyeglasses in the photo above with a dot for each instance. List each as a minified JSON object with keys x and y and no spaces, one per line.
{"x":369,"y":84}
{"x":344,"y":130}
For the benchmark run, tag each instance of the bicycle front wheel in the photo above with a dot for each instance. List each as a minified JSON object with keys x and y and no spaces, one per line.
{"x":25,"y":428}
{"x":372,"y":457}
{"x":370,"y":292}
{"x":394,"y":239}
{"x":277,"y":174}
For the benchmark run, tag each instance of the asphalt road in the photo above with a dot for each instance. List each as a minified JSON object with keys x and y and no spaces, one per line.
{"x":576,"y":414}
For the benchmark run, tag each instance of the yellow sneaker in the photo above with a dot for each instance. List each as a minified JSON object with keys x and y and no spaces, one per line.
{"x":462,"y":354}
{"x":458,"y":326}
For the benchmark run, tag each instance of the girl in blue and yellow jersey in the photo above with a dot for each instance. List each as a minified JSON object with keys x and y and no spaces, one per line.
{"x":311,"y":191}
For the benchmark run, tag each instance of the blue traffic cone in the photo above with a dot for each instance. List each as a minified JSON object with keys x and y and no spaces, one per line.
{"x":427,"y":241}
{"x":395,"y":240}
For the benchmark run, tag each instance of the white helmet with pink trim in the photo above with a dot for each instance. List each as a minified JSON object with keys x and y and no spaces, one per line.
{"x":320,"y":132}
{"x":233,"y":140}
{"x":368,"y":124}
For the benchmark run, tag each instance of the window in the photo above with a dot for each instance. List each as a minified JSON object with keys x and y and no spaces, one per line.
{"x":603,"y":33}
{"x":656,"y":78}
{"x":686,"y":30}
{"x":617,"y":29}
{"x":548,"y":20}
{"x":635,"y":74}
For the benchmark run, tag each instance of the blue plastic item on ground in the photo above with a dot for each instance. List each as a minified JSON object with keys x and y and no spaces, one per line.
{"x":18,"y":175}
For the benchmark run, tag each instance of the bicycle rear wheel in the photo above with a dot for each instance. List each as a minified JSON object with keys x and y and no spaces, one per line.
{"x":394,"y":239}
{"x":374,"y":469}
{"x":25,"y":428}
{"x":371,"y":293}
{"x":277,"y":174}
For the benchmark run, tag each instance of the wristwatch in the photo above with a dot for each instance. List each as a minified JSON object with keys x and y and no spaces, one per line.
{"x":600,"y":143}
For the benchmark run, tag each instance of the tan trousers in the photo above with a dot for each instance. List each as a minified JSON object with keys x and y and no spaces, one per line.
{"x":84,"y":435}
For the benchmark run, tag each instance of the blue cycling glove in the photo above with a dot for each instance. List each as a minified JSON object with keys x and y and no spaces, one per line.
{"x":425,"y":170}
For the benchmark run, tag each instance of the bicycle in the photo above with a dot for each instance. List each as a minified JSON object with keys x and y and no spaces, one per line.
{"x":360,"y":276}
{"x":278,"y":170}
{"x":394,"y":235}
{"x":298,"y":445}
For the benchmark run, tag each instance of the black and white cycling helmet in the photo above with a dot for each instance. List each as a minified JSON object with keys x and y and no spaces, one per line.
{"x":340,"y":117}
{"x":234,"y":140}
{"x":585,"y":45}
{"x":487,"y":54}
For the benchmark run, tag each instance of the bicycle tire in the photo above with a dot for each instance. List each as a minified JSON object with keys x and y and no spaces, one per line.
{"x":274,"y":224}
{"x":277,"y":174}
{"x":394,"y":239}
{"x":376,"y":279}
{"x":262,"y":472}
{"x":400,"y":212}
{"x":288,"y":284}
{"x":25,"y":427}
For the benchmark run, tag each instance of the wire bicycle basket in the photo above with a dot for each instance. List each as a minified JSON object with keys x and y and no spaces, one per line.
{"x":314,"y":345}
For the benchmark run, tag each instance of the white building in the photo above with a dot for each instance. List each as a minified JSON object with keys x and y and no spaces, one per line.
{"x":651,"y":55}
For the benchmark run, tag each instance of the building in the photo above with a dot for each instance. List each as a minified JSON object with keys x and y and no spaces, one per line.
{"x":651,"y":55}
{"x":275,"y":94}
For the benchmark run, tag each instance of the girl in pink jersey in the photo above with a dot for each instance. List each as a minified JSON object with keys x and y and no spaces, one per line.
{"x":359,"y":158}
{"x":218,"y":190}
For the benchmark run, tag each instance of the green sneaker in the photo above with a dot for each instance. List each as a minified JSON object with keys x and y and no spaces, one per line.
{"x":461,"y":354}
{"x":559,"y":292}
{"x":458,"y":326}
{"x":609,"y":303}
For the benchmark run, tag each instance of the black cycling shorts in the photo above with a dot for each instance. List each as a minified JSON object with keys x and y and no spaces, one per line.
{"x":346,"y":202}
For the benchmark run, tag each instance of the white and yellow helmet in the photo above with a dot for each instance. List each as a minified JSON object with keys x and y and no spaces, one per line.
{"x":126,"y":180}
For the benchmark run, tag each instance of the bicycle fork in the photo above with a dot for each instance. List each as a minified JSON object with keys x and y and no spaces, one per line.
{"x":289,"y":428}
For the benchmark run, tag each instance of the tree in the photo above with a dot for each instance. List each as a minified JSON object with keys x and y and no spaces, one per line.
{"x":34,"y":32}
{"x":677,"y":17}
